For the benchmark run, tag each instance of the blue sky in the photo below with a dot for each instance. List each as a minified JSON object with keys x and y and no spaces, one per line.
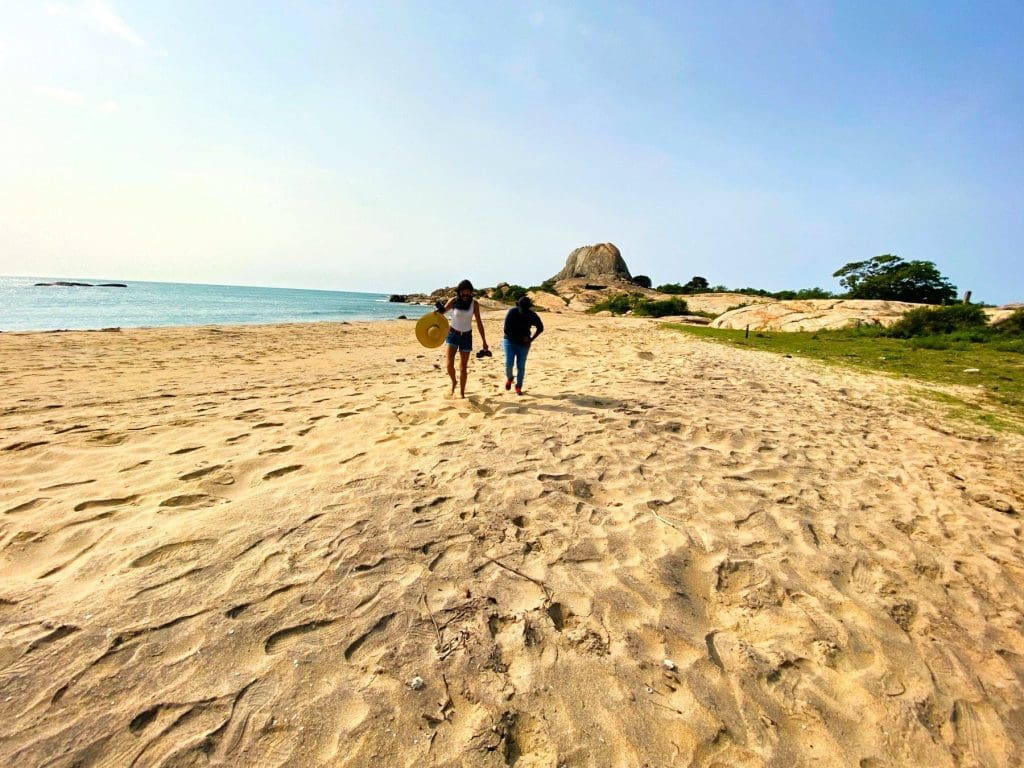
{"x":402,"y":146}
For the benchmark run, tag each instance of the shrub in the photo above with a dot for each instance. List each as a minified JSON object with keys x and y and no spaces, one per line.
{"x":510,"y":294}
{"x":642,"y":280}
{"x":931,"y":321}
{"x":673,"y":289}
{"x":803,"y":293}
{"x":548,"y":286}
{"x":622,"y":303}
{"x":672,"y":306}
{"x":619,"y":304}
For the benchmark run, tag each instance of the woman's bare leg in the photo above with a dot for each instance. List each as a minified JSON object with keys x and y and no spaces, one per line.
{"x":463,"y":374}
{"x":450,"y":351}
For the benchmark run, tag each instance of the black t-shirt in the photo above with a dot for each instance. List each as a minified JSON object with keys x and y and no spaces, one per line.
{"x":518,"y":323}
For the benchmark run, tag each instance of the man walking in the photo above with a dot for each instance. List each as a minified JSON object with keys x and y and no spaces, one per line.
{"x":519,"y":335}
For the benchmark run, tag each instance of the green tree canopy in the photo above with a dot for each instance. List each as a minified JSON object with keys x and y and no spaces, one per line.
{"x":697,"y":284}
{"x":890,"y":277}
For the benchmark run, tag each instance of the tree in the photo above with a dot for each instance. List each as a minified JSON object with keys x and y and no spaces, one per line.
{"x":890,"y":277}
{"x":697,"y":284}
{"x":670,"y":288}
{"x":642,"y":280}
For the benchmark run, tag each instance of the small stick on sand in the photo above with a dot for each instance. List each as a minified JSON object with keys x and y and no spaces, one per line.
{"x":430,"y":613}
{"x":666,"y":522}
{"x":520,"y":573}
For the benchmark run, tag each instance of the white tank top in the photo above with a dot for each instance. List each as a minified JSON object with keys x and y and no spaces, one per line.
{"x":462,"y":319}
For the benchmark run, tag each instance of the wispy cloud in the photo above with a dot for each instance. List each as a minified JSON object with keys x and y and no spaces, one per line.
{"x":101,"y":16}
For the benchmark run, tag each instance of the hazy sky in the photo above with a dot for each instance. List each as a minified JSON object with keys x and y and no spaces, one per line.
{"x":396,"y":147}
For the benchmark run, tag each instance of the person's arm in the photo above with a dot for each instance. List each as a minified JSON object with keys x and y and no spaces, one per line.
{"x":479,"y":322}
{"x":441,"y":307}
{"x":539,"y":325}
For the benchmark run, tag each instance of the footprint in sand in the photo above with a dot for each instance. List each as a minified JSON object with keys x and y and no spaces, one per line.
{"x":282,"y":471}
{"x":181,"y":451}
{"x":279,"y":449}
{"x":179,"y":550}
{"x":356,"y":647}
{"x":193,"y":500}
{"x":92,"y":503}
{"x":67,"y":485}
{"x":24,"y":446}
{"x":285,"y":638}
{"x":25,"y":507}
{"x":195,"y":475}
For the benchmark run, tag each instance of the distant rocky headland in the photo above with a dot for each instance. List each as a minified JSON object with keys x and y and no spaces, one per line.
{"x":67,"y":284}
{"x":593,"y":274}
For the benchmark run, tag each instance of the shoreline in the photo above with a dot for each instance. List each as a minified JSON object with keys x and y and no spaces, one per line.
{"x":122,"y":328}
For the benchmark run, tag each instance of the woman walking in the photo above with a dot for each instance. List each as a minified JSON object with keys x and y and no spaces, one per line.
{"x":463,"y":309}
{"x":519,"y":323}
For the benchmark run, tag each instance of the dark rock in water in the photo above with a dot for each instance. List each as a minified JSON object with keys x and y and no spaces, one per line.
{"x":398,"y":298}
{"x":67,"y":284}
{"x":110,"y":330}
{"x":402,"y":317}
{"x":601,"y":260}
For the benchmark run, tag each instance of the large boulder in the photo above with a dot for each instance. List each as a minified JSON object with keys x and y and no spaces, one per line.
{"x":814,"y":315}
{"x":547,"y":301}
{"x":720,"y":303}
{"x":595,"y":261}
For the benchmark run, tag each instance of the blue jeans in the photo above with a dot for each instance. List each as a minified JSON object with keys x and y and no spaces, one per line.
{"x":515,"y":353}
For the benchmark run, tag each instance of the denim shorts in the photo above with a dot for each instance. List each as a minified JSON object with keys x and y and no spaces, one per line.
{"x":461,"y":341}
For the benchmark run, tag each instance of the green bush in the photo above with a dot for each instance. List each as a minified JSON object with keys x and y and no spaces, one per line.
{"x":510,"y":294}
{"x":932,"y":321}
{"x":548,"y":286}
{"x":642,"y":280}
{"x":673,"y":306}
{"x":673,"y":289}
{"x":640,"y":305}
{"x":619,"y":304}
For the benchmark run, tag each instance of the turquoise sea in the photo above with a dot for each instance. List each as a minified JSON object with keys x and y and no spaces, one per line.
{"x":24,"y":306}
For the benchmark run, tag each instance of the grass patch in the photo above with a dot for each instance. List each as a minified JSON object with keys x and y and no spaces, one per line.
{"x":999,"y":382}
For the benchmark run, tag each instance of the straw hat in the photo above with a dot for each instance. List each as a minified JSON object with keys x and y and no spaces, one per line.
{"x":432,"y":329}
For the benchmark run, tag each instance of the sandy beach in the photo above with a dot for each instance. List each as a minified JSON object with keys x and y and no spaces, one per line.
{"x":286,"y":546}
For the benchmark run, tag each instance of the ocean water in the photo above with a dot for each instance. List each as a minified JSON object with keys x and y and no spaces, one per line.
{"x":24,"y":306}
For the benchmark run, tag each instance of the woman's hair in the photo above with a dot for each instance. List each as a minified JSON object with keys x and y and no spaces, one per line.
{"x":465,"y":284}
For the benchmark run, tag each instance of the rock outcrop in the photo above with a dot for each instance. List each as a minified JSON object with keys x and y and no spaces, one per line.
{"x":595,"y":261}
{"x":66,"y":284}
{"x":814,"y":315}
{"x":547,"y":301}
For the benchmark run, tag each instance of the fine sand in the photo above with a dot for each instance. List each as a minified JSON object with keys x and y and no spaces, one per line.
{"x":241,"y":546}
